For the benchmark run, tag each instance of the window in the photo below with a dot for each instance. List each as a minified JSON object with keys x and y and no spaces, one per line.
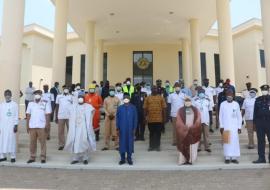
{"x":262,"y":58}
{"x":217,"y":68}
{"x":203,"y":66}
{"x":180,"y":57}
{"x":69,"y":63}
{"x":105,"y":66}
{"x":82,"y":76}
{"x":142,"y":67}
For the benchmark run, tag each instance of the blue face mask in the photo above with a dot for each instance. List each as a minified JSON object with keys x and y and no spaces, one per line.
{"x":112,"y":93}
{"x":201,"y":95}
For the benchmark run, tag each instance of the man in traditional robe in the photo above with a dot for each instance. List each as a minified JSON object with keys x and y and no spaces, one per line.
{"x":8,"y":127}
{"x":230,"y":122}
{"x":95,"y":100}
{"x":81,"y":136}
{"x":126,"y":123}
{"x":188,"y":132}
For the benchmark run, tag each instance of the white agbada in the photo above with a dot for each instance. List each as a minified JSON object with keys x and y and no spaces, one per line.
{"x":230,"y":118}
{"x":8,"y":119}
{"x":81,"y":136}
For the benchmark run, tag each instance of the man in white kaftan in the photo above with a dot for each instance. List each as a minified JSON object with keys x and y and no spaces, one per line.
{"x":230,"y":119}
{"x":8,"y":127}
{"x":81,"y":136}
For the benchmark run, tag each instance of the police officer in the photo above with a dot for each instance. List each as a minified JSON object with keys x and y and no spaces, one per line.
{"x":261,"y":120}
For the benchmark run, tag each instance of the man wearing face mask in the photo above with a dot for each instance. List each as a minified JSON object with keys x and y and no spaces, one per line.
{"x":128,"y":88}
{"x":202,"y":103}
{"x":187,"y":91}
{"x":96,"y":101}
{"x":55,"y":91}
{"x":137,"y":100}
{"x":248,"y":111}
{"x":9,"y":120}
{"x":126,"y":123}
{"x":176,"y":101}
{"x":63,"y":105}
{"x":245,"y":93}
{"x":230,"y":121}
{"x":48,"y":98}
{"x":29,"y":94}
{"x":38,"y":113}
{"x":188,"y":133}
{"x":155,"y":112}
{"x":118,"y":93}
{"x":193,"y":88}
{"x":110,"y":105}
{"x":219,"y":88}
{"x":261,"y":119}
{"x":210,"y":93}
{"x":148,"y":89}
{"x":81,"y":136}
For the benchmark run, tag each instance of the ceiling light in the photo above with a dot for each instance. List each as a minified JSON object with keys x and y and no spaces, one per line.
{"x":117,"y":32}
{"x":112,"y":14}
{"x":171,"y":12}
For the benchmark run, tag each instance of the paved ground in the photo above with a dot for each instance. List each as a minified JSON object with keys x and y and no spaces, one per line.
{"x":29,"y":178}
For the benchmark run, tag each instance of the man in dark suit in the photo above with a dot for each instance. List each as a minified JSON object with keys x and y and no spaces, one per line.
{"x":55,"y":91}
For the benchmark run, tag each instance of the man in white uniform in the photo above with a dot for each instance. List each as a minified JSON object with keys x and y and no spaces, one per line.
{"x":81,"y":135}
{"x":8,"y":127}
{"x":202,"y":103}
{"x":248,"y":111}
{"x":38,"y":114}
{"x":230,"y":126}
{"x":118,"y":92}
{"x":176,"y":100}
{"x":48,"y":97}
{"x":63,"y":105}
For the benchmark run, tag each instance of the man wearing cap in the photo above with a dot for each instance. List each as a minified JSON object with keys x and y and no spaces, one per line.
{"x":248,"y":111}
{"x":96,"y":101}
{"x":126,"y":123}
{"x":261,"y":119}
{"x":230,"y":120}
{"x":110,"y":105}
{"x":38,"y":114}
{"x":176,"y":101}
{"x":9,"y":120}
{"x":202,"y":103}
{"x":63,"y":104}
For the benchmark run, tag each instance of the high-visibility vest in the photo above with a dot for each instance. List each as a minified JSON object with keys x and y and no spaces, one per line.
{"x":131,"y":90}
{"x":171,"y":89}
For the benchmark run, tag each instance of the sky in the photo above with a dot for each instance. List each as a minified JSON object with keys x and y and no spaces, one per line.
{"x":42,"y":12}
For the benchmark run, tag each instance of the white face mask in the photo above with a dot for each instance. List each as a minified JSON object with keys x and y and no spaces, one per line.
{"x":128,"y":83}
{"x":195,"y":83}
{"x":265,"y":92}
{"x":188,"y":104}
{"x":118,"y":88}
{"x":220,"y":85}
{"x":91,"y":90}
{"x":177,"y":89}
{"x":37,"y":97}
{"x":78,"y":88}
{"x":81,"y":100}
{"x":66,"y":91}
{"x":126,"y":101}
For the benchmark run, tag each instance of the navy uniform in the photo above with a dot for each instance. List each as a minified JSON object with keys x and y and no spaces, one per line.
{"x":261,"y":120}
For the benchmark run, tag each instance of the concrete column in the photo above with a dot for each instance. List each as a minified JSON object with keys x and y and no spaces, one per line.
{"x":60,"y":41}
{"x":265,"y":6}
{"x":11,"y":47}
{"x":187,"y":70}
{"x":90,"y":51}
{"x":225,"y":40}
{"x":195,"y":49}
{"x":98,"y":63}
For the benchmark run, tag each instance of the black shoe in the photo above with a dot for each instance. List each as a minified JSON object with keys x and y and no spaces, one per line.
{"x":74,"y":162}
{"x":30,"y":161}
{"x":136,"y":139}
{"x":227,"y":161}
{"x":158,"y":149}
{"x":85,"y":162}
{"x":173,"y":144}
{"x":97,"y":138}
{"x":122,"y":162}
{"x":3,"y":159}
{"x":187,"y":163}
{"x":43,"y":161}
{"x":211,"y":131}
{"x":104,"y":149}
{"x":117,"y":149}
{"x":13,"y":160}
{"x":130,"y":162}
{"x":259,"y":161}
{"x":150,"y":149}
{"x":250,"y":147}
{"x":61,"y":148}
{"x":208,"y":150}
{"x":199,"y":150}
{"x":48,"y":138}
{"x":142,"y":139}
{"x":235,"y":161}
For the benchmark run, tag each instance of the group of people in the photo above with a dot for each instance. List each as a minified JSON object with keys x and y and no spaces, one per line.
{"x":128,"y":109}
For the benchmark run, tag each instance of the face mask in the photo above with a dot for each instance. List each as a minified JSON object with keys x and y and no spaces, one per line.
{"x":177,"y":89}
{"x":188,"y":104}
{"x":148,"y":87}
{"x":92,"y":90}
{"x":66,"y":91}
{"x":265,"y":92}
{"x":37,"y":97}
{"x":201,"y":95}
{"x":78,"y":88}
{"x":206,"y":84}
{"x":252,"y":95}
{"x":8,"y":98}
{"x":126,"y":100}
{"x":167,"y":84}
{"x":81,"y":100}
{"x":220,"y":85}
{"x":229,"y":98}
{"x":112,"y":93}
{"x":195,"y":83}
{"x":128,"y":83}
{"x":118,"y":88}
